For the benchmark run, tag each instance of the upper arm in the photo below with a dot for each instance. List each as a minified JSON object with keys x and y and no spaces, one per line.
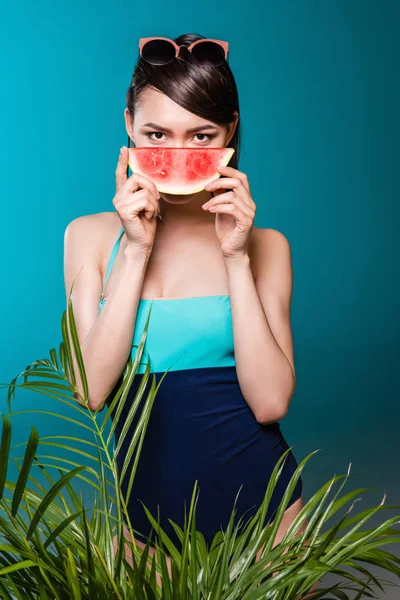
{"x":274,"y":283}
{"x":81,"y":268}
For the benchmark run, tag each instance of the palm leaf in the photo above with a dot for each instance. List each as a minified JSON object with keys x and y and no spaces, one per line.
{"x":50,"y":547}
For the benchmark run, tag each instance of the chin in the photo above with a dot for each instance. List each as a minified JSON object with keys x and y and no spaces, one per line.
{"x":177,"y":198}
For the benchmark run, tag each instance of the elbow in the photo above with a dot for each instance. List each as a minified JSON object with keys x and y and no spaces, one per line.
{"x":102,"y":399}
{"x":99,"y":401}
{"x":272,"y":414}
{"x":92,"y":406}
{"x":79,"y":399}
{"x":98,"y":405}
{"x":276,"y":410}
{"x":91,"y":403}
{"x":98,"y":398}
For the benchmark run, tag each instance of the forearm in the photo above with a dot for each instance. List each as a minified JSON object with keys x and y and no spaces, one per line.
{"x":265,"y":375}
{"x":106,"y":348}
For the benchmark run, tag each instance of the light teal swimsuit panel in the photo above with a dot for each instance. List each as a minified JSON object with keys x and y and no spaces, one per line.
{"x":183,"y":333}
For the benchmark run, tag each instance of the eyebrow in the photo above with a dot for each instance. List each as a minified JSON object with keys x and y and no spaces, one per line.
{"x":192,"y":130}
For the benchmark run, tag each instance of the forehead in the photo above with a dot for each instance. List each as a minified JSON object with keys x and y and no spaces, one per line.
{"x":157,"y":107}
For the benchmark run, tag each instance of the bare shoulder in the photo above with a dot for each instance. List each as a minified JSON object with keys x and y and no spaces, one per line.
{"x":86,"y":240}
{"x":92,"y":233}
{"x":268,"y":248}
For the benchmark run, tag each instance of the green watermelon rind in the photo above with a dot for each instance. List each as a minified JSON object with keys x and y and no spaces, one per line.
{"x":171,"y":187}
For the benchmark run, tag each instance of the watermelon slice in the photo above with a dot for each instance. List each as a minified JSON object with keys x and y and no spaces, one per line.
{"x":179,"y":170}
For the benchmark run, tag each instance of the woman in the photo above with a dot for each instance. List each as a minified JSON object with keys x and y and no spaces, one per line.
{"x":220,"y":290}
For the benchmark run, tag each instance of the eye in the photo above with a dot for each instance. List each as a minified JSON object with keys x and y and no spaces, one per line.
{"x":150,"y":133}
{"x":209,"y":137}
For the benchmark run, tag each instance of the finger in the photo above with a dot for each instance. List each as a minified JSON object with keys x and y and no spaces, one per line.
{"x":144,"y":201}
{"x":224,"y":182}
{"x":235,"y":211}
{"x":232,"y":183}
{"x":120,"y":172}
{"x":137,"y":181}
{"x":230,"y":198}
{"x":131,"y":199}
{"x":230,"y":171}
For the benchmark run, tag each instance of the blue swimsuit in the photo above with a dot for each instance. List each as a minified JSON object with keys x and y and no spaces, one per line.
{"x":200,"y":425}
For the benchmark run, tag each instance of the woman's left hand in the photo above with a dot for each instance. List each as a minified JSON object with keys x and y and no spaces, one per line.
{"x":235,"y":211}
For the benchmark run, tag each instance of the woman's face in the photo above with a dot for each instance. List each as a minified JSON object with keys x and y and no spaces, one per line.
{"x":159,"y":121}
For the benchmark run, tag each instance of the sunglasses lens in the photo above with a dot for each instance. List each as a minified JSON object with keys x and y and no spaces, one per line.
{"x":209,"y":52}
{"x":158,"y":52}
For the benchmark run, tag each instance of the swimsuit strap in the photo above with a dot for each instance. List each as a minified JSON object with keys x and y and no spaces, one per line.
{"x":112,"y":258}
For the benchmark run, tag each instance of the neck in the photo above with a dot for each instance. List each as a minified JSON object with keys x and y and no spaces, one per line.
{"x":180,"y":209}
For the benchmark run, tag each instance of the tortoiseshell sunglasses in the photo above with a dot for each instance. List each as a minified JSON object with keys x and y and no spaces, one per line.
{"x":161,"y":50}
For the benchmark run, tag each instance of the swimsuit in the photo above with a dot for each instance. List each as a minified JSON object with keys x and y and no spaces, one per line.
{"x":200,"y":427}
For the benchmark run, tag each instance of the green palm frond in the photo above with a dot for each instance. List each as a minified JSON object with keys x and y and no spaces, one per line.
{"x":53,"y":546}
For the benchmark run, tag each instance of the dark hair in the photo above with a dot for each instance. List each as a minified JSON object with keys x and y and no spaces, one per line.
{"x":210,"y":93}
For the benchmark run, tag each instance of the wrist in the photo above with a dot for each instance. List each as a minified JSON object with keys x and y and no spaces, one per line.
{"x":237,"y":260}
{"x":132,"y":252}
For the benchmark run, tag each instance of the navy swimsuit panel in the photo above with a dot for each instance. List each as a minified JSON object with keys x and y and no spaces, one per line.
{"x":201,"y":427}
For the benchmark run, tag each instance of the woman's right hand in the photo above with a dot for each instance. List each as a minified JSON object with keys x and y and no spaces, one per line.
{"x":133,"y":196}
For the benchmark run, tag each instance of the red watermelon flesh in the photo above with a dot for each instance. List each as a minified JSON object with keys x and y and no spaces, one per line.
{"x":179,"y":170}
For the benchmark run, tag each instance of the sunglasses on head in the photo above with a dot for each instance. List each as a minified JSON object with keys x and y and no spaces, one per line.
{"x":161,"y":51}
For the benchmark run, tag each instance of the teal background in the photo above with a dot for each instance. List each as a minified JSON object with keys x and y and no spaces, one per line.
{"x":319,"y":101}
